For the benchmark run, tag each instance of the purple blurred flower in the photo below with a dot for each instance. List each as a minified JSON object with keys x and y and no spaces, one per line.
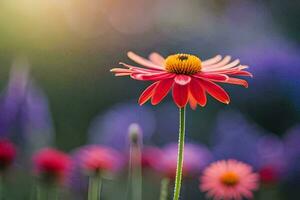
{"x":236,"y":138}
{"x":166,"y":114}
{"x":271,"y":159}
{"x":24,"y":112}
{"x":12,"y":99}
{"x":275,"y":65}
{"x":111,"y":128}
{"x":196,"y":157}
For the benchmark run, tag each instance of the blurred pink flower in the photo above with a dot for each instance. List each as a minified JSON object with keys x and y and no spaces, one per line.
{"x":51,"y":164}
{"x":7,"y":154}
{"x":99,"y":158}
{"x":229,"y":179}
{"x":196,"y":157}
{"x":151,"y":157}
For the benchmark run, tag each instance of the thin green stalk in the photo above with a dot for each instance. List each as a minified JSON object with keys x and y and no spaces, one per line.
{"x":41,"y":192}
{"x":180,"y":158}
{"x":1,"y":187}
{"x":95,"y":184}
{"x":134,"y":190}
{"x":54,"y":192}
{"x":136,"y":174}
{"x":164,"y":189}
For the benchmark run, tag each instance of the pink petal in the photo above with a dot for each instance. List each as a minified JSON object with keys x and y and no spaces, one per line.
{"x":211,"y":76}
{"x":120,"y":70}
{"x":152,"y":77}
{"x":198,"y":92}
{"x":123,"y":74}
{"x":180,"y":94}
{"x":182,"y":79}
{"x":237,"y":81}
{"x":223,"y":62}
{"x":142,"y":61}
{"x":157,"y":59}
{"x":161,"y":90}
{"x":224,"y":67}
{"x":147,"y":93}
{"x":242,"y":73}
{"x":139,"y":69}
{"x":211,"y":61}
{"x":215,"y":91}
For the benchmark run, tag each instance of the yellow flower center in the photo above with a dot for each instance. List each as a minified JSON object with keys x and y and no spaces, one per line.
{"x":183,"y":64}
{"x":229,"y":179}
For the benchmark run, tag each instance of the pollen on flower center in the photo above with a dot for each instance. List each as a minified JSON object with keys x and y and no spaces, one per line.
{"x":229,"y":179}
{"x":183,"y":64}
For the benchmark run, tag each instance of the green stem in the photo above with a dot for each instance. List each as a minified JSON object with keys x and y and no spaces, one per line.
{"x":136,"y":174}
{"x":178,"y":178}
{"x":1,"y":187}
{"x":41,"y":192}
{"x":164,"y":189}
{"x":54,"y":192}
{"x":95,"y":184}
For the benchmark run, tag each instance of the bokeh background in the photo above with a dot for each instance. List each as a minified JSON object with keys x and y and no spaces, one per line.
{"x":57,"y":90}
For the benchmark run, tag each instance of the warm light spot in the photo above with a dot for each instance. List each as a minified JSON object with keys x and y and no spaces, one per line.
{"x":183,"y":64}
{"x":229,"y":178}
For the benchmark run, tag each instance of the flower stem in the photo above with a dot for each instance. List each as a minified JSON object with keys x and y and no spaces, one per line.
{"x":41,"y":192}
{"x":134,"y":190}
{"x":164,"y":189}
{"x":54,"y":192}
{"x":178,"y":178}
{"x":1,"y":187}
{"x":95,"y":184}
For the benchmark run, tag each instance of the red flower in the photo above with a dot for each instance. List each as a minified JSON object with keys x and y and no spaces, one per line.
{"x":51,"y":164}
{"x":7,"y":154}
{"x":269,"y":175}
{"x":188,"y":77}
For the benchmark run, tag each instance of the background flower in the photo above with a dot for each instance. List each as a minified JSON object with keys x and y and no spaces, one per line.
{"x":91,"y":159}
{"x":7,"y":154}
{"x":237,"y":138}
{"x":229,"y":179}
{"x":111,"y":128}
{"x":24,"y":111}
{"x":51,"y":165}
{"x":196,"y":158}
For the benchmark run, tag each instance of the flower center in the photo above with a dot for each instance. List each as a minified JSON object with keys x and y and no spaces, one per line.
{"x":229,"y":178}
{"x":183,"y":64}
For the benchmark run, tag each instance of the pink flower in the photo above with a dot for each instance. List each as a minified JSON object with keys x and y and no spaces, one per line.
{"x":151,"y":157}
{"x":229,"y":179}
{"x":189,"y":78}
{"x":99,"y":158}
{"x":7,"y":154}
{"x":51,"y":164}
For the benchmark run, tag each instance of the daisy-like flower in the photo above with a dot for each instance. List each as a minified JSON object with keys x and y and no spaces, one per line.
{"x":229,"y":179}
{"x":188,"y":77}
